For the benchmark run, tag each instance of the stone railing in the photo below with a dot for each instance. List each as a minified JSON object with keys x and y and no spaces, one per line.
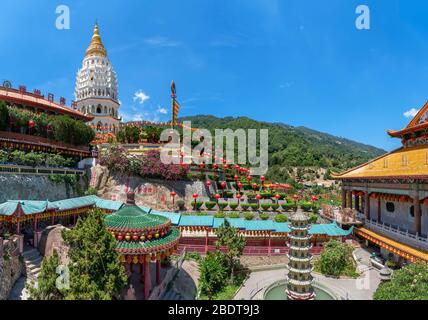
{"x":17,"y":169}
{"x":395,"y":233}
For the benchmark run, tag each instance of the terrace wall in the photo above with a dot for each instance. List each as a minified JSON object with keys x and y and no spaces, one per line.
{"x":11,"y":266}
{"x":37,"y":187}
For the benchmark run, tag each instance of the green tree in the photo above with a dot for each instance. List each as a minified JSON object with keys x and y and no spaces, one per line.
{"x":230,"y":238}
{"x":95,"y":270}
{"x":46,"y":288}
{"x":4,"y":116}
{"x":335,"y":258}
{"x":213,"y":274}
{"x":128,"y":135}
{"x":408,"y":283}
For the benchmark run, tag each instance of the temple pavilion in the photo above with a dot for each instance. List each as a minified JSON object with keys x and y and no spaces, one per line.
{"x":142,"y":238}
{"x":390,"y":194}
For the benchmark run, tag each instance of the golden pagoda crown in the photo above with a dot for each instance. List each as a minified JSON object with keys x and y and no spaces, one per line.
{"x":96,"y":48}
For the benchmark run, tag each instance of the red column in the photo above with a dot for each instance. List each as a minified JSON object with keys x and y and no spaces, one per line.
{"x":417,"y":211}
{"x":18,"y":227}
{"x":367,"y":205}
{"x":74,"y":219}
{"x":147,"y":279}
{"x":158,"y":269}
{"x":206,"y":241}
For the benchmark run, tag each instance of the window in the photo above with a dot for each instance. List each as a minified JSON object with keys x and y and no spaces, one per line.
{"x":390,"y":207}
{"x":412,"y":211}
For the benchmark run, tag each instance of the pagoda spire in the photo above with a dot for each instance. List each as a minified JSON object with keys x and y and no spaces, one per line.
{"x":96,"y":46}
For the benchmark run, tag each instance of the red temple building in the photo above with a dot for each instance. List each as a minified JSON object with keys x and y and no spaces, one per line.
{"x":390,"y":194}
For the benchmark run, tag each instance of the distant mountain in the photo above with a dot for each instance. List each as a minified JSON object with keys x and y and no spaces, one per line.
{"x":296,"y":147}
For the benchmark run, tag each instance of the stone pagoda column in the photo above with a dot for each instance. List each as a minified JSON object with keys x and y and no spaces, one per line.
{"x":299,"y":277}
{"x":417,"y":211}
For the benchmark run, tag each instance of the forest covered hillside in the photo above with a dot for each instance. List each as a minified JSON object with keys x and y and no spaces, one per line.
{"x":298,"y":153}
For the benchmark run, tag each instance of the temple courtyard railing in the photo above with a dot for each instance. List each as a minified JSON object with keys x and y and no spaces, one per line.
{"x":17,"y":169}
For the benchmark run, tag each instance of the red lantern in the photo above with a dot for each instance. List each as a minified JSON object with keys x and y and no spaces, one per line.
{"x":135,"y":236}
{"x":254,"y":186}
{"x":262,"y":178}
{"x":240,"y":185}
{"x":223,"y":184}
{"x":31,"y":124}
{"x":215,"y":166}
{"x":119,"y":237}
{"x":238,"y":196}
{"x":224,"y":161}
{"x":235,"y":177}
{"x":249,"y":178}
{"x":208,"y":183}
{"x":258,"y":197}
{"x":225,"y":166}
{"x":314,"y":198}
{"x":149,"y":236}
{"x":202,"y":165}
{"x":217,"y":196}
{"x":195,"y":195}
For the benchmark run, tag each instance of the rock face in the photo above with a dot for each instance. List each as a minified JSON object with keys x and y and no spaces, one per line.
{"x":148,"y":192}
{"x":51,"y":240}
{"x":11,"y":268}
{"x":32,"y":187}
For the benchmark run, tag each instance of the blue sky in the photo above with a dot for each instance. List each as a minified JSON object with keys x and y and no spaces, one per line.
{"x":292,"y":61}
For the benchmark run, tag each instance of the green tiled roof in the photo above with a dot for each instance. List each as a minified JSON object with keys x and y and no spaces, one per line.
{"x":174,"y":217}
{"x":331,"y":229}
{"x":28,"y":206}
{"x":174,"y":234}
{"x":73,"y":203}
{"x":133,"y":217}
{"x":206,"y":221}
{"x":108,"y":204}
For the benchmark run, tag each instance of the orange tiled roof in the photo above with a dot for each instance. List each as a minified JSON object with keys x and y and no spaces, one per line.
{"x":27,"y":98}
{"x":401,"y":248}
{"x":400,"y":163}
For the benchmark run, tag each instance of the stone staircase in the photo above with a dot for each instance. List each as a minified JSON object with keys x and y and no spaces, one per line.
{"x":32,"y":264}
{"x":32,"y":261}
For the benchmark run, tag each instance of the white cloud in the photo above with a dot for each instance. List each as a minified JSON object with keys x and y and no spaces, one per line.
{"x":411,"y":113}
{"x":140,"y":96}
{"x":162,"y":42}
{"x":162,"y":110}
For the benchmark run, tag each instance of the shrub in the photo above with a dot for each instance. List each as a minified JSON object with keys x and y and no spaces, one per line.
{"x":306,"y":206}
{"x":266,"y":194}
{"x":274,"y":206}
{"x":128,"y":135}
{"x":313,"y":218}
{"x":264,"y":216}
{"x":233,"y":206}
{"x":219,"y":214}
{"x":248,"y":216}
{"x":254,"y":206}
{"x":281,"y":218}
{"x":181,"y":205}
{"x":286,"y":206}
{"x":201,"y":213}
{"x":222,"y":205}
{"x":315,"y":207}
{"x":91,"y":191}
{"x":210,"y":204}
{"x":336,"y":258}
{"x":265,"y":206}
{"x":4,"y":116}
{"x":234,"y":215}
{"x":245,"y":206}
{"x":197,"y":205}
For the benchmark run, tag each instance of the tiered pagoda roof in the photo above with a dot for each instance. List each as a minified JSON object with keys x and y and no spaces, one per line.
{"x":140,"y":232}
{"x":407,"y":162}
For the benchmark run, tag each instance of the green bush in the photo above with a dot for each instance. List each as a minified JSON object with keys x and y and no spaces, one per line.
{"x":266,"y":194}
{"x":210,"y":204}
{"x":275,"y":206}
{"x":306,"y":206}
{"x":286,"y":206}
{"x":313,"y":218}
{"x":281,"y":218}
{"x":245,"y":206}
{"x":4,"y":116}
{"x":264,"y":216}
{"x":249,"y":216}
{"x":91,"y":191}
{"x":234,"y":215}
{"x":315,"y":207}
{"x":233,"y":206}
{"x":222,"y":205}
{"x":197,"y":205}
{"x":181,"y":205}
{"x":254,"y":206}
{"x":201,"y":213}
{"x":219,"y":214}
{"x":265,"y":206}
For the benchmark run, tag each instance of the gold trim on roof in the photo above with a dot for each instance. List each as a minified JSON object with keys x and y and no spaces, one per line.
{"x":403,"y":162}
{"x":96,"y":48}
